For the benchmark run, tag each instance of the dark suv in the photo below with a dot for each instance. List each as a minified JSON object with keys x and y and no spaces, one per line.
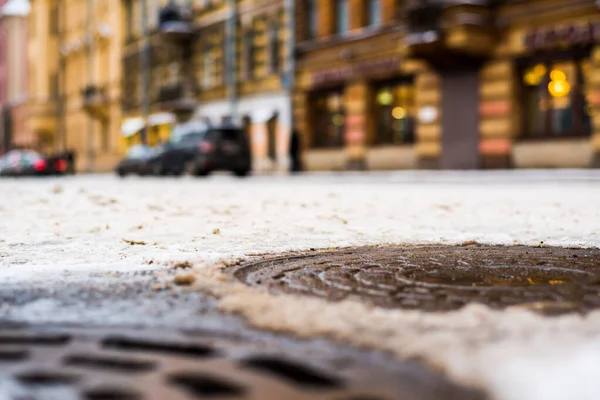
{"x":175,"y":156}
{"x":224,"y":148}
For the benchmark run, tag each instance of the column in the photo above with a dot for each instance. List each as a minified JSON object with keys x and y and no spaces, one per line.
{"x":356,"y":101}
{"x":428,"y":126}
{"x":498,"y":120}
{"x":389,"y":9}
{"x":326,"y":18}
{"x":357,"y":14}
{"x":593,"y":96}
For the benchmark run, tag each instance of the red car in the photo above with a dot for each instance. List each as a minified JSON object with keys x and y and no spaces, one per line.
{"x":31,"y":163}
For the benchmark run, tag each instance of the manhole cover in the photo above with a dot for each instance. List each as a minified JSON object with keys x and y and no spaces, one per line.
{"x":86,"y":364}
{"x":439,"y":278}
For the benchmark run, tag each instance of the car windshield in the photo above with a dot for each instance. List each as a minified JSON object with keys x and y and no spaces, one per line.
{"x":138,"y":152}
{"x":188,"y":131}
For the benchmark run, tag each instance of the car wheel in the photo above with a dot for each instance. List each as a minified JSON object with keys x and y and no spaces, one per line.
{"x":157,"y":169}
{"x":121,"y":173}
{"x":189,"y":168}
{"x":241,"y":172}
{"x":201,"y":172}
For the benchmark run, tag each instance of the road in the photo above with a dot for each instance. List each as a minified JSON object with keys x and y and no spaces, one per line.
{"x":99,"y":250}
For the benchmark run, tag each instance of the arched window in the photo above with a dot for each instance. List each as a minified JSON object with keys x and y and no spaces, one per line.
{"x":312,"y":20}
{"x":373,"y":12}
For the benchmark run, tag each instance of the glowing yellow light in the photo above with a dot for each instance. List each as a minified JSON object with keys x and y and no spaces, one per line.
{"x":338,"y":120}
{"x":557,"y":75}
{"x":385,"y":98}
{"x":398,"y":112}
{"x":559,"y":88}
{"x":532,"y":79}
{"x":539,"y":69}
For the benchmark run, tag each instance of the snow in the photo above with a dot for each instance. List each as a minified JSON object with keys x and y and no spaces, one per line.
{"x":66,"y":230}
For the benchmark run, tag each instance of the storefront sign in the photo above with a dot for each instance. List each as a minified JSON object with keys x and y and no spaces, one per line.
{"x":358,"y":69}
{"x":566,"y":35}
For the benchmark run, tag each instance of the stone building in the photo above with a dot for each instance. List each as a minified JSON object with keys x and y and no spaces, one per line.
{"x":385,"y":84}
{"x":219,"y":60}
{"x":13,"y":75}
{"x":75,"y":81}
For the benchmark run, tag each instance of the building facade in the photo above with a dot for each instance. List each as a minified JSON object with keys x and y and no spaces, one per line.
{"x":220,"y":60}
{"x":385,"y":84}
{"x":13,"y":75}
{"x":75,"y":81}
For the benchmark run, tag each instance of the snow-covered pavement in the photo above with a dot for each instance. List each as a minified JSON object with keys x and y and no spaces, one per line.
{"x":64,"y":231}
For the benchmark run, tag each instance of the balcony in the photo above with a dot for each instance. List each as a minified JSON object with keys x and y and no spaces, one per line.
{"x":95,"y":100}
{"x":178,"y":98}
{"x":450,"y":34}
{"x":175,"y":23}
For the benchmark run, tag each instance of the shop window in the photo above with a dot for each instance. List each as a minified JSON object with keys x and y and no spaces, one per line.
{"x":341,"y":16}
{"x":394,"y":113}
{"x":328,"y":117}
{"x":554,"y":101}
{"x":373,"y":11}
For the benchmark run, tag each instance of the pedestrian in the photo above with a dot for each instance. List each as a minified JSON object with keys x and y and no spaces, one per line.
{"x":295,"y":152}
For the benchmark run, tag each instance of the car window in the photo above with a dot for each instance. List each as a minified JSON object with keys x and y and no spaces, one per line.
{"x":231,"y":134}
{"x":193,"y":137}
{"x":138,"y":151}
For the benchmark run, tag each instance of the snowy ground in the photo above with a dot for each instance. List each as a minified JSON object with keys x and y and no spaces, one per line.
{"x":63,"y":231}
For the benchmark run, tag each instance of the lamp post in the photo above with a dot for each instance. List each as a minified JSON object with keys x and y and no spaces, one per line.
{"x":145,"y":70}
{"x":290,"y":8}
{"x":61,"y":144}
{"x":230,"y":43}
{"x":90,"y":69}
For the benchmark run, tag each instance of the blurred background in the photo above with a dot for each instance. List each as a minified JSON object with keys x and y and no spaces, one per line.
{"x":314,"y":85}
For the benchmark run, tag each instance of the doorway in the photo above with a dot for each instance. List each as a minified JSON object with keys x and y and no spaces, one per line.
{"x":272,"y":124}
{"x":460,"y":120}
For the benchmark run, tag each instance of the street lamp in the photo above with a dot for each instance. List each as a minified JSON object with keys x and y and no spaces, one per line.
{"x":230,"y":43}
{"x":90,"y":67}
{"x":145,"y":71}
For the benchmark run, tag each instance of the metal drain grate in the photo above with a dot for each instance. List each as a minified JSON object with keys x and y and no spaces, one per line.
{"x":439,"y":278}
{"x":93,"y":364}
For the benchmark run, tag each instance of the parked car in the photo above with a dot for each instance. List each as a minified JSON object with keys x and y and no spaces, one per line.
{"x":136,"y":161}
{"x":224,"y":148}
{"x":31,"y":163}
{"x":175,"y":156}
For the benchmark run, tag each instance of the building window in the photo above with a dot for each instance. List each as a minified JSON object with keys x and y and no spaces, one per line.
{"x":274,"y":49}
{"x":250,"y":53}
{"x":373,"y":11}
{"x":54,"y":21}
{"x":328,"y":117}
{"x":129,"y":19}
{"x":394,"y":113}
{"x":312,"y":19}
{"x":341,"y":16}
{"x":554,"y":103}
{"x":208,"y":69}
